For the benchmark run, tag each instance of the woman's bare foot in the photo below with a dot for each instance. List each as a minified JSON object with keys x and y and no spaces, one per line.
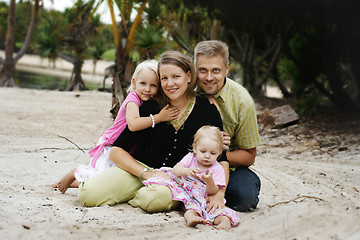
{"x":222,"y":222}
{"x":67,"y":181}
{"x":192,"y":218}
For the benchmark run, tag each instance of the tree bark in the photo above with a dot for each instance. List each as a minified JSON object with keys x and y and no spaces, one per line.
{"x":332,"y":67}
{"x":76,"y":83}
{"x":6,"y":79}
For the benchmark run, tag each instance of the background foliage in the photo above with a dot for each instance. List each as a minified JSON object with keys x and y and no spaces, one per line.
{"x":309,"y":49}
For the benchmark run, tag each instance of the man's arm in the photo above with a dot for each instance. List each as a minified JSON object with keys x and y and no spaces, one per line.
{"x":241,"y":157}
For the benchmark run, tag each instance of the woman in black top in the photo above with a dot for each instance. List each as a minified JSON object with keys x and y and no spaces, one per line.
{"x":163,"y":145}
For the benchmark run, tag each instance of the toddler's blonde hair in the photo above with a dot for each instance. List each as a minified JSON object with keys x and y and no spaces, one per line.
{"x":211,"y":132}
{"x":150,"y":64}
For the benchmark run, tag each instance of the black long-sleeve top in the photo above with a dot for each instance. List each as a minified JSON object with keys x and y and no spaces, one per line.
{"x":163,"y":146}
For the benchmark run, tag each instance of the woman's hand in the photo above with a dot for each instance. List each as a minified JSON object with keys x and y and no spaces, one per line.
{"x":158,"y":173}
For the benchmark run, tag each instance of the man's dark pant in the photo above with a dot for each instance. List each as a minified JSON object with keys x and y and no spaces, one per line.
{"x":243,"y":190}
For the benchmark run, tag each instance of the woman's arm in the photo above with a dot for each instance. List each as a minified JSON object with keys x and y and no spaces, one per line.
{"x":125,"y":161}
{"x":137,"y":123}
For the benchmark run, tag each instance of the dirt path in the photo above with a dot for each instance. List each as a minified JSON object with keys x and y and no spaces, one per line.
{"x":309,"y":172}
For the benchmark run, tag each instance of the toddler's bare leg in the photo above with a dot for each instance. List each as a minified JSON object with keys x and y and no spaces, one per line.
{"x":222,"y":222}
{"x":67,"y":181}
{"x":192,"y":218}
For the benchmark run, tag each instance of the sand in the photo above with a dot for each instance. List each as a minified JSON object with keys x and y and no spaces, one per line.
{"x":309,"y":172}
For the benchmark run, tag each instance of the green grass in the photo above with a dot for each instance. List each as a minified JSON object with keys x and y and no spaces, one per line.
{"x":109,"y":55}
{"x":38,"y":81}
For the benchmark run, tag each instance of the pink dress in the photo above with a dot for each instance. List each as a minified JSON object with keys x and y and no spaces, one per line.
{"x":192,"y":191}
{"x":100,"y":154}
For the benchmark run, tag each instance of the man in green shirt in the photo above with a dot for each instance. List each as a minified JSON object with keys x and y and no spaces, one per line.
{"x":238,"y":114}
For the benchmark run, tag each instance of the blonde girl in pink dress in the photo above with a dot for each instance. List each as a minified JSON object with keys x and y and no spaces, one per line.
{"x":197,"y":176}
{"x":144,"y":86}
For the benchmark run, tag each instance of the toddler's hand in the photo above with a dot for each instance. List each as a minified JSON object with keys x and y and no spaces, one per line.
{"x":207,"y":177}
{"x":193,"y":171}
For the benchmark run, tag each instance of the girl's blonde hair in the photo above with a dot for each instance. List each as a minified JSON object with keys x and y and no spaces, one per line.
{"x":150,"y":64}
{"x":211,"y":132}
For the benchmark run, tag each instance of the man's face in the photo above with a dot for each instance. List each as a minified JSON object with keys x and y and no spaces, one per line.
{"x":211,"y":72}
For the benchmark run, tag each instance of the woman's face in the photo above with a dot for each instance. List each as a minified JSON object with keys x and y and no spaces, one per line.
{"x":174,"y":81}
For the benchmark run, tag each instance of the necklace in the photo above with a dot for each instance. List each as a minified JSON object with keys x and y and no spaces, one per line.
{"x":180,"y":121}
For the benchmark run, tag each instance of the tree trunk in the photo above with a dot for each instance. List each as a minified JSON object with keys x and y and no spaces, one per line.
{"x":118,"y":93}
{"x":124,"y":65}
{"x":332,"y":69}
{"x":76,"y":83}
{"x":282,"y":87}
{"x":6,"y":79}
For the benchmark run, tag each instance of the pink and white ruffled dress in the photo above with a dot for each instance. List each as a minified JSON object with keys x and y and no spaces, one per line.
{"x":192,"y":192}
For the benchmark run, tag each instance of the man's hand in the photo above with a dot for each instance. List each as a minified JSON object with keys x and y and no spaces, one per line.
{"x":226,"y":141}
{"x":212,"y":101}
{"x":216,"y":202}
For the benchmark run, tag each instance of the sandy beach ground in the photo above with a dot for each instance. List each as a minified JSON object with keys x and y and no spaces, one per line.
{"x":309,"y":173}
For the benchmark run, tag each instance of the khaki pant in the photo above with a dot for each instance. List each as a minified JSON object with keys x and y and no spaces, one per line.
{"x":115,"y":185}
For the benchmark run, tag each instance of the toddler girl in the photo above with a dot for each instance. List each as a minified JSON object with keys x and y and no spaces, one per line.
{"x":144,"y":86}
{"x":197,"y":176}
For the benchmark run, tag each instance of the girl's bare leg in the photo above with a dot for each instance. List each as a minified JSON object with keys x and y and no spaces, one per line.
{"x":192,"y":218}
{"x":222,"y":222}
{"x":67,"y":181}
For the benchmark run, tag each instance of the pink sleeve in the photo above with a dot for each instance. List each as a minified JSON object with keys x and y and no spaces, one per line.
{"x":187,"y":160}
{"x":132,"y":97}
{"x":218,"y":175}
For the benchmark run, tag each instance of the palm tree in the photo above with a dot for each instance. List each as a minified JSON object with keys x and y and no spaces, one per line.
{"x":97,"y":51}
{"x":148,"y":41}
{"x":123,"y":40}
{"x":4,"y":9}
{"x":46,"y":39}
{"x":76,"y":33}
{"x":9,"y":62}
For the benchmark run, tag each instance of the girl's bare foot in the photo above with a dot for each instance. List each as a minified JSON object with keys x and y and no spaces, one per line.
{"x":192,"y":218}
{"x":222,"y":222}
{"x":67,"y":181}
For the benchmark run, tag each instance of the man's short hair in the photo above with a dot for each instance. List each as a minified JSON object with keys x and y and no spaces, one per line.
{"x":212,"y":48}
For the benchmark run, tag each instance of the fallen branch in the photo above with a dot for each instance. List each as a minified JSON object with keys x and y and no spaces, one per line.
{"x":49,"y":149}
{"x":71,"y":142}
{"x":297,"y":198}
{"x":263,"y":176}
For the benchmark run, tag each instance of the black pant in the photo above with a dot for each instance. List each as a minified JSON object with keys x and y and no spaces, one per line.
{"x":243,"y":189}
